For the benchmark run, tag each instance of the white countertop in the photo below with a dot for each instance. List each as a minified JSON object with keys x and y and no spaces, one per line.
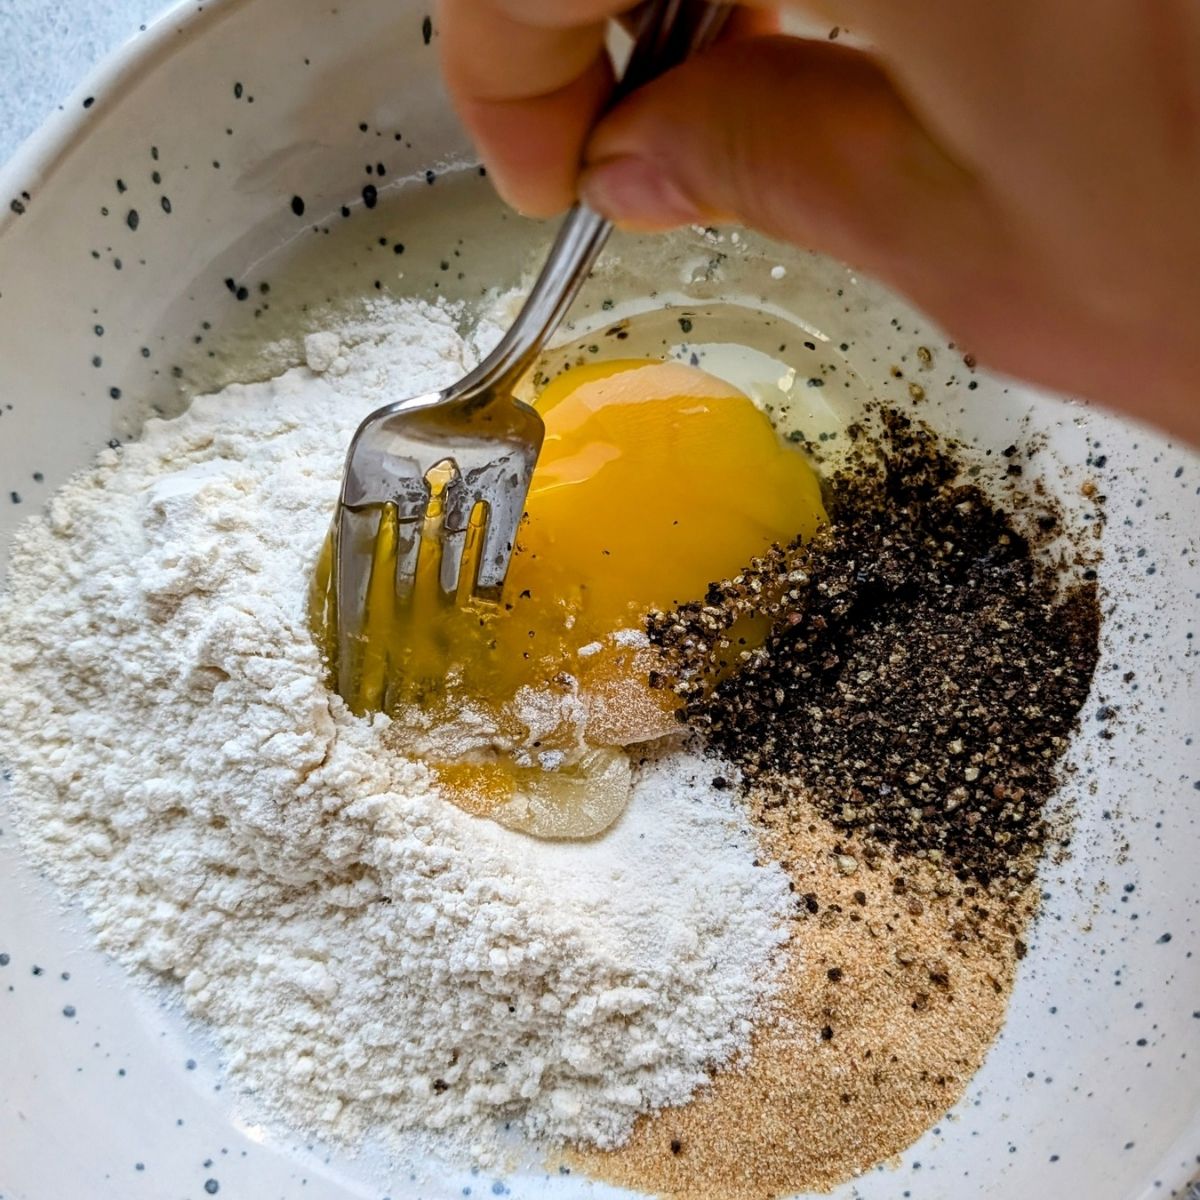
{"x":48,"y":46}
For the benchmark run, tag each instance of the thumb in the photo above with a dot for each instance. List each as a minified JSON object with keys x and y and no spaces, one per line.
{"x":806,"y":141}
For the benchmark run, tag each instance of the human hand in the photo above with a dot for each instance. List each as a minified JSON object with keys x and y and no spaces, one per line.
{"x":1028,"y":173}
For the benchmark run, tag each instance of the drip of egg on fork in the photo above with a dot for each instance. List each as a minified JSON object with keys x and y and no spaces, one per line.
{"x":655,"y":480}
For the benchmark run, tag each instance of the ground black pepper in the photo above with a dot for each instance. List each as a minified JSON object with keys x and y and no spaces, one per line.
{"x":923,"y":669}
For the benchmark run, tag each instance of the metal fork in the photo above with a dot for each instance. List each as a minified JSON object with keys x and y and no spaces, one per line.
{"x":450,"y":471}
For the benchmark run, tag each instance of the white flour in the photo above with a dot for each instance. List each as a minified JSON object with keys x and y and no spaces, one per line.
{"x":369,"y":956}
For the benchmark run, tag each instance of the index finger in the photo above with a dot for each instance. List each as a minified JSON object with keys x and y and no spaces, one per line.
{"x":529,"y":78}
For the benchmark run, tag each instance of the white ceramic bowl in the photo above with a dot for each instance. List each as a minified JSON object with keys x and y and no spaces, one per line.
{"x":209,"y":127}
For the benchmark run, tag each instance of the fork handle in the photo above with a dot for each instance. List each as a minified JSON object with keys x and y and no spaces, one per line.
{"x":669,"y":32}
{"x":580,"y":239}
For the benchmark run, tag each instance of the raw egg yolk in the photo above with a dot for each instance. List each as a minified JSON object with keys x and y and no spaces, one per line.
{"x":655,"y":480}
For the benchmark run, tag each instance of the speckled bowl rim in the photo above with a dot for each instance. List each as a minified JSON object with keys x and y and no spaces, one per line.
{"x":64,"y":129}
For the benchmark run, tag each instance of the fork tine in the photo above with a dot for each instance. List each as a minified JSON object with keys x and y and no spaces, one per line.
{"x":378,"y":617}
{"x":355,"y":551}
{"x":453,"y":544}
{"x":468,"y":581}
{"x":408,"y":550}
{"x":504,"y":485}
{"x":354,"y":548}
{"x":411,"y":497}
{"x":457,"y":504}
{"x":499,"y":538}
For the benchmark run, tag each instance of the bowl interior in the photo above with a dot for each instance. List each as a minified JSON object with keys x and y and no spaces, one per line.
{"x":231,"y":178}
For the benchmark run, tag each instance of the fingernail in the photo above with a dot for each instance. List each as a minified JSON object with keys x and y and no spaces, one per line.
{"x":636,"y":194}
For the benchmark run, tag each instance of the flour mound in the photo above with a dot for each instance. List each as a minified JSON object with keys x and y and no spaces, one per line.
{"x":368,"y":956}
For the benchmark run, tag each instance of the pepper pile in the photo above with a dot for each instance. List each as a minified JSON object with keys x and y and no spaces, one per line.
{"x":924,"y":667}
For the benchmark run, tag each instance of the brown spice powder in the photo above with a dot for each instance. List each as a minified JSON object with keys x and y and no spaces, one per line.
{"x":897,"y":985}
